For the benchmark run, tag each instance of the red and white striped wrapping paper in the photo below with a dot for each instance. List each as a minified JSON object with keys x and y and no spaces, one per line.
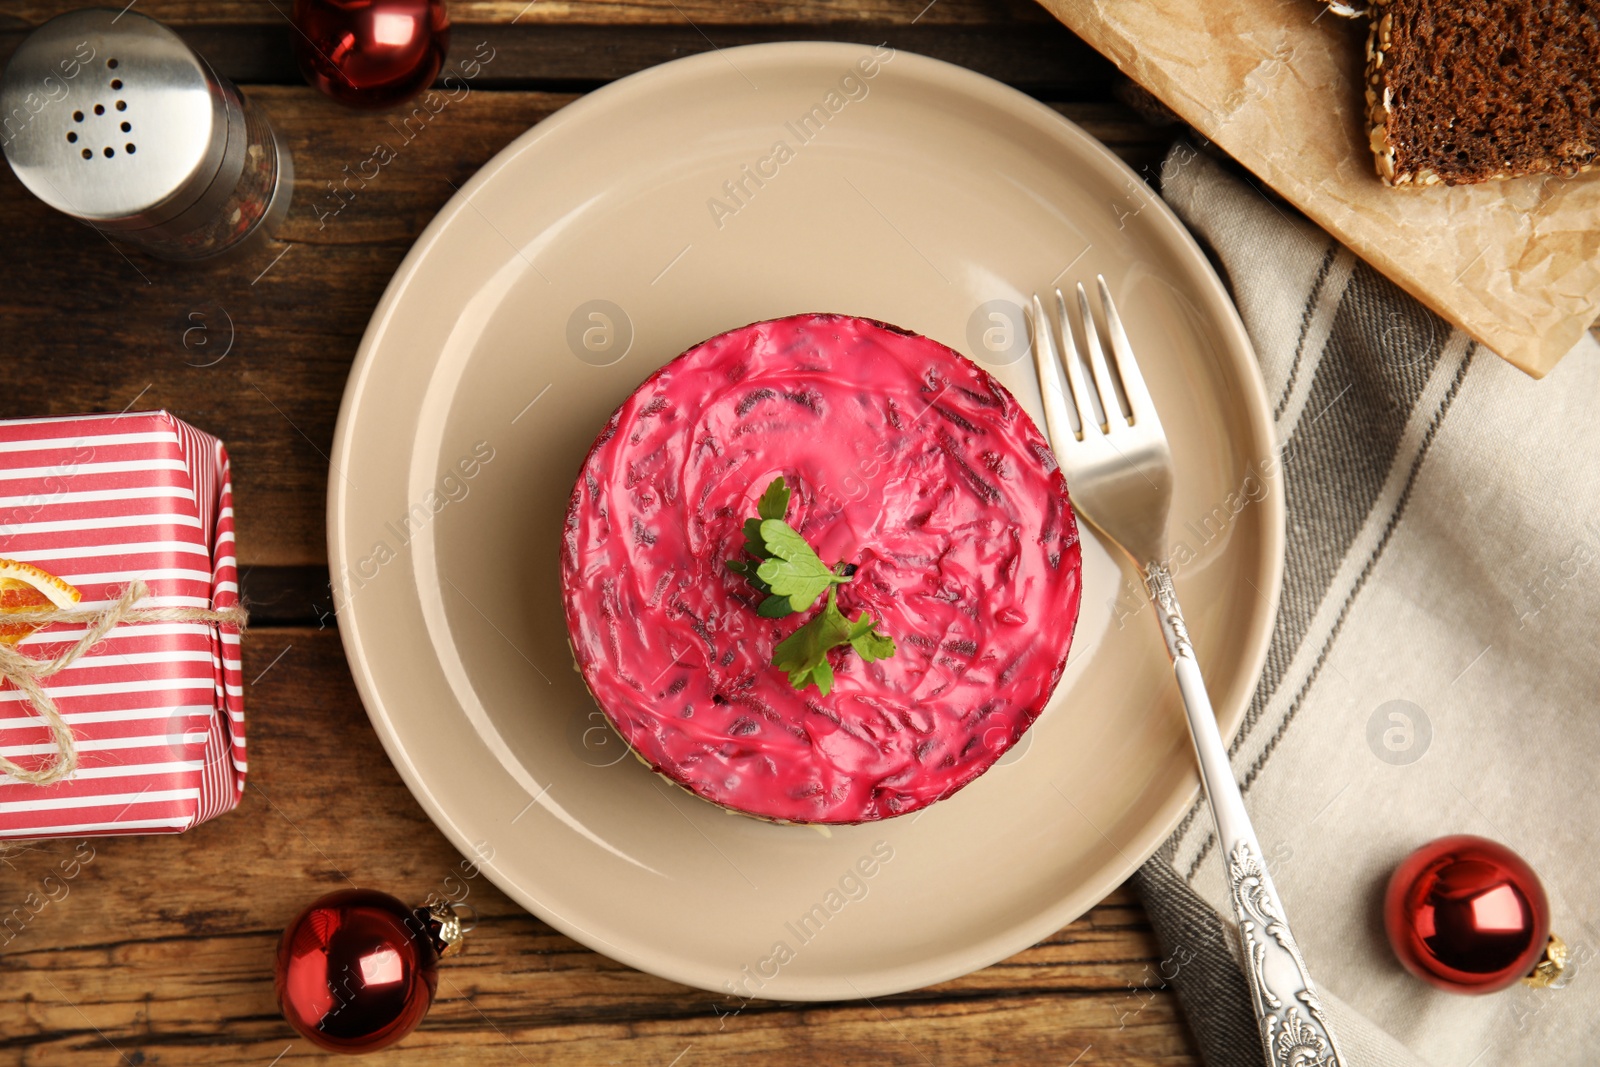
{"x":157,"y":708}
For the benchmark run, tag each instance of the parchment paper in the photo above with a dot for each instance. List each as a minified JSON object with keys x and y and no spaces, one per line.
{"x":1278,"y":85}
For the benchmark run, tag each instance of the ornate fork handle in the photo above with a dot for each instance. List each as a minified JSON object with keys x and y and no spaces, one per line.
{"x":1294,"y":1030}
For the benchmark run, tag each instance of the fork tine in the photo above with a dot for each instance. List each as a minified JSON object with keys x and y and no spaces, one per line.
{"x":1097,"y":365}
{"x":1052,"y":381}
{"x":1074,"y":368}
{"x":1133,"y":387}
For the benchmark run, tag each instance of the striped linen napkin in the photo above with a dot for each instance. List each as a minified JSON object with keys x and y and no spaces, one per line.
{"x":1443,"y":561}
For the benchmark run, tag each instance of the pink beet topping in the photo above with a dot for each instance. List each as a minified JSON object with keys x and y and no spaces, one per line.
{"x":905,"y":459}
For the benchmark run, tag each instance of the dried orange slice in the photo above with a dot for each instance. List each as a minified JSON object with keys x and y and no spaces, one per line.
{"x":24,"y":587}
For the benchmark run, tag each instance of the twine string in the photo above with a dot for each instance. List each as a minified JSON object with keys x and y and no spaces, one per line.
{"x":29,"y":674}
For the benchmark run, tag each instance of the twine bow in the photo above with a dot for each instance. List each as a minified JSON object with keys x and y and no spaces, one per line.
{"x":29,"y":674}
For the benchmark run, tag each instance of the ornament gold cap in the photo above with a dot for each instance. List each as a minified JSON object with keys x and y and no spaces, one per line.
{"x":1549,"y":969}
{"x":444,"y":925}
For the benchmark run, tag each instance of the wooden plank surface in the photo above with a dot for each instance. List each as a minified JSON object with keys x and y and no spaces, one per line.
{"x":92,"y":328}
{"x":1044,"y":60}
{"x":606,"y":12}
{"x":162,"y":951}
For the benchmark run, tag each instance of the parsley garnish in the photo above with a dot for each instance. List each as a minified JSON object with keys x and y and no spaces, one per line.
{"x":804,"y":653}
{"x":794,"y":569}
{"x":793,"y":576}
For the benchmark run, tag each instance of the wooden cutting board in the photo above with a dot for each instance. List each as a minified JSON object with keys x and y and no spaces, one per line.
{"x":1278,"y":85}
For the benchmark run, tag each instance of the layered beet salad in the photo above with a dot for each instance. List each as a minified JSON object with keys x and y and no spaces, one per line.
{"x":820,"y":570}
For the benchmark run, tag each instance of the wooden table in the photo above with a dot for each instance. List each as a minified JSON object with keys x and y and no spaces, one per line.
{"x":162,"y":951}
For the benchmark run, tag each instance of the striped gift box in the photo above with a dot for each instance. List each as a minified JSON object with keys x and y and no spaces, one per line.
{"x":157,"y":708}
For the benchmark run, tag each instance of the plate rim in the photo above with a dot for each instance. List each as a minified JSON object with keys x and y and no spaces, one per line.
{"x":1235,"y":347}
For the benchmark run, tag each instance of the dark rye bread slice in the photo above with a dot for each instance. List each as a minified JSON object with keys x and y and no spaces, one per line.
{"x":1473,"y":90}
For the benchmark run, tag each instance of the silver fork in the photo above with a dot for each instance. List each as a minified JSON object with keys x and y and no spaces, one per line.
{"x":1119,"y":472}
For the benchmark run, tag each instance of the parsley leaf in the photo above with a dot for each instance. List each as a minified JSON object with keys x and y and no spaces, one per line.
{"x":804,"y":653}
{"x":775,"y":607}
{"x":748,"y":570}
{"x":869,"y":644}
{"x":794,"y":569}
{"x":753,"y":541}
{"x":774,"y":503}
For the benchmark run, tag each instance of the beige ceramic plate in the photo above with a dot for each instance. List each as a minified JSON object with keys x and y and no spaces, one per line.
{"x":646,"y":217}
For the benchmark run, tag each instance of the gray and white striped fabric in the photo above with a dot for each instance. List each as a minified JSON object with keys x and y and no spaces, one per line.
{"x":1436,"y":660}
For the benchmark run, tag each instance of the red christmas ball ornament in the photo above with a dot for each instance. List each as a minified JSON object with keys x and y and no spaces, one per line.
{"x":357,"y":969}
{"x":1468,"y":915}
{"x":370,"y":53}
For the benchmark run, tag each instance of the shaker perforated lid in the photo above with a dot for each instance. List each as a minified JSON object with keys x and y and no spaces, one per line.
{"x":111,"y":118}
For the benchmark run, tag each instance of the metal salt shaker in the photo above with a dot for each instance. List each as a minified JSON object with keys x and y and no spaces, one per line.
{"x":109,"y":117}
